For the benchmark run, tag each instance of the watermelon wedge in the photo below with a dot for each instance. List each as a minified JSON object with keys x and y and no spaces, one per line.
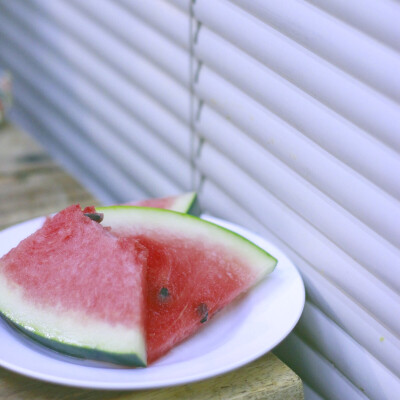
{"x":184,"y":203}
{"x":75,"y":287}
{"x":194,"y":269}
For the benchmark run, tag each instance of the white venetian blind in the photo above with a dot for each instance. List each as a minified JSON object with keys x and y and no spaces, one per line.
{"x":299,"y":126}
{"x":106,"y":89}
{"x":283,"y":115}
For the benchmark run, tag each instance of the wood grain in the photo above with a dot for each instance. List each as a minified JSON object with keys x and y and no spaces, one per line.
{"x":266,"y":378}
{"x":31,"y":184}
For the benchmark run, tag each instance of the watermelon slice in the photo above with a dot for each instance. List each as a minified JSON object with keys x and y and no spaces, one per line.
{"x":195,"y":268}
{"x":77,"y":288}
{"x":184,"y":203}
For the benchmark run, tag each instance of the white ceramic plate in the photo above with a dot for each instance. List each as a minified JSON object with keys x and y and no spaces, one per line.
{"x":238,"y":335}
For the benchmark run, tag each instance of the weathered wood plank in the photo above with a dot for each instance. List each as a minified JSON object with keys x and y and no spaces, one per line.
{"x":31,"y":183}
{"x":266,"y":378}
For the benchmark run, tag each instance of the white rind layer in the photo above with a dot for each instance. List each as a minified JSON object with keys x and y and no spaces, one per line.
{"x":139,"y":220}
{"x":72,"y":327}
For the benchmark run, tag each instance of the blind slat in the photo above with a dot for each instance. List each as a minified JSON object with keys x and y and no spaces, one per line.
{"x":124,"y":59}
{"x":278,"y":94}
{"x":310,"y":394}
{"x":182,"y":4}
{"x":90,"y":68}
{"x":91,"y":101}
{"x":25,"y":119}
{"x":378,"y":18}
{"x":372,"y":111}
{"x":70,"y":138}
{"x":166,"y":54}
{"x":376,"y":380}
{"x":317,"y":371}
{"x":176,"y":26}
{"x":333,"y":40}
{"x":126,"y":158}
{"x":283,"y":140}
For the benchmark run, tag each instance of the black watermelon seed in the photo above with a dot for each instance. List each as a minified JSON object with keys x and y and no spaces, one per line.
{"x":202,"y":310}
{"x":163,"y":295}
{"x":97,"y":217}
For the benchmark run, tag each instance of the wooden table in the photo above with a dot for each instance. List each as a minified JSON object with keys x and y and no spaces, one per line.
{"x":31,"y":184}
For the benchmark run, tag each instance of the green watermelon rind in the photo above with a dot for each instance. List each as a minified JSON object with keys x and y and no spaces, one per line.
{"x":136,"y":358}
{"x":97,"y":339}
{"x":118,"y":217}
{"x":187,"y":203}
{"x":82,"y":352}
{"x":72,"y":332}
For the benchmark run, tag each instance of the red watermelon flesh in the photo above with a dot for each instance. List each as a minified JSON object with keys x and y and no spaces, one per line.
{"x":76,"y":284}
{"x":195,"y":268}
{"x":164,"y":202}
{"x":185,"y":291}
